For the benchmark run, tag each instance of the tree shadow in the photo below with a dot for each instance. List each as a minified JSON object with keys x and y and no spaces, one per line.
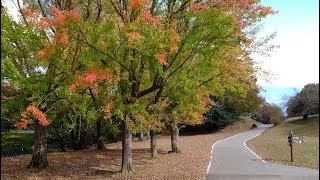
{"x":200,"y":132}
{"x":304,"y":121}
{"x":101,"y":172}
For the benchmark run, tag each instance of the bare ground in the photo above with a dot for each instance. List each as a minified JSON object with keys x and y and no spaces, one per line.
{"x":92,"y":164}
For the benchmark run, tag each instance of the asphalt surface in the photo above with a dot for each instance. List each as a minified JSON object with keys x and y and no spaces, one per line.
{"x":231,"y":159}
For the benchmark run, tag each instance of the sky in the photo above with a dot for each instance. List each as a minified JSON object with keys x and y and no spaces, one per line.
{"x":296,"y":62}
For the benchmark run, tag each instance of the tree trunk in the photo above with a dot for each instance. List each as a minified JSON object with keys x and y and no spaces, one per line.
{"x":140,"y":136}
{"x":126,"y":149}
{"x":79,"y":135}
{"x":153,"y":144}
{"x":175,"y":137}
{"x":62,"y":146}
{"x":140,"y":133}
{"x":100,"y":143}
{"x":148,"y":134}
{"x":306,"y":114}
{"x":39,"y":155}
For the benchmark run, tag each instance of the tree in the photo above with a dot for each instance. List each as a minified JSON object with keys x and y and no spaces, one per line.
{"x":159,"y":51}
{"x":269,"y":114}
{"x":305,"y":102}
{"x":209,"y":58}
{"x":184,"y":35}
{"x":98,"y":84}
{"x":245,"y":103}
{"x":36,"y":50}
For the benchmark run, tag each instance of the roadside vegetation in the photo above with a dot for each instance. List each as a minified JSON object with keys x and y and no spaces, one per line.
{"x":272,"y":145}
{"x":268,"y":114}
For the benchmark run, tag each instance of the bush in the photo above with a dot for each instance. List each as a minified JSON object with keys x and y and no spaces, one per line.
{"x":13,"y":144}
{"x":269,"y":114}
{"x":219,"y":116}
{"x":276,"y":116}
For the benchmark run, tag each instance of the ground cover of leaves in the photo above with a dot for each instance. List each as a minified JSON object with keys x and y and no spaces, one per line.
{"x":92,"y":164}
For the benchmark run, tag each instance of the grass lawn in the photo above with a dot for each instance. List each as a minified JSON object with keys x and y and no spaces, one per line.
{"x":272,"y":145}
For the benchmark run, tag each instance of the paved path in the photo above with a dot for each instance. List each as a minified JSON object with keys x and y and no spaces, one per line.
{"x":231,"y":159}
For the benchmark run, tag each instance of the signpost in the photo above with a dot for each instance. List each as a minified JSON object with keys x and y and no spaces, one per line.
{"x":292,"y":140}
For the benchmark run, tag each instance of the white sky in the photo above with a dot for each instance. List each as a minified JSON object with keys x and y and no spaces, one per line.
{"x":296,"y":62}
{"x":12,"y":7}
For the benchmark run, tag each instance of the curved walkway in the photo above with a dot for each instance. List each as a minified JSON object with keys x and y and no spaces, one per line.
{"x":232,"y":159}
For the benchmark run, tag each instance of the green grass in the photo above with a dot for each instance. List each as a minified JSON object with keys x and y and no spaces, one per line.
{"x":248,"y":120}
{"x":13,"y":144}
{"x":272,"y":145}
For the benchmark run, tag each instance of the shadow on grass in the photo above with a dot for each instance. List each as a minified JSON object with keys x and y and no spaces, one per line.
{"x":304,"y":121}
{"x":305,"y":127}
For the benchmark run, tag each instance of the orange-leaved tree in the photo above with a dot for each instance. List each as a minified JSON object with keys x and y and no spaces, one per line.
{"x":38,"y":61}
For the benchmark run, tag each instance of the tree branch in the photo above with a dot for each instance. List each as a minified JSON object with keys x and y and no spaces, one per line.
{"x":181,"y":65}
{"x":153,"y":88}
{"x":210,"y":79}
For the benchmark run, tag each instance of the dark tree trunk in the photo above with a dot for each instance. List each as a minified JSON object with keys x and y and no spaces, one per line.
{"x":39,"y":155}
{"x":62,"y":142}
{"x":175,"y":138}
{"x":153,"y":144}
{"x":60,"y":138}
{"x":62,"y":146}
{"x":306,"y":114}
{"x":126,"y":149}
{"x":100,"y":143}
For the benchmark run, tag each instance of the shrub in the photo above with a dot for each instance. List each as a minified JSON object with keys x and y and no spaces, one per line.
{"x":219,"y":116}
{"x":269,"y":114}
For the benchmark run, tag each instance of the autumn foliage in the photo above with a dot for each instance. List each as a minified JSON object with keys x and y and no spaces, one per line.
{"x":198,"y":6}
{"x":35,"y":113}
{"x":162,"y":57}
{"x":59,"y":22}
{"x":170,"y":52}
{"x":90,"y":80}
{"x":150,"y":18}
{"x":134,"y":36}
{"x":138,"y":4}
